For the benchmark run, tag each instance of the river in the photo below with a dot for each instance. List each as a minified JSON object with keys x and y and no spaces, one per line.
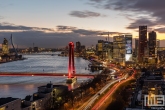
{"x":19,"y":87}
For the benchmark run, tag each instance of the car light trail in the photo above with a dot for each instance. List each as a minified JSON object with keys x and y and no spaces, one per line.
{"x":110,"y":92}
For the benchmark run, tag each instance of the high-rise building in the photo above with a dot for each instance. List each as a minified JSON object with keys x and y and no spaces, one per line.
{"x":100,"y":49}
{"x":110,"y":51}
{"x":78,"y":47}
{"x":157,"y":43}
{"x":136,"y":47}
{"x":83,"y":49}
{"x":152,"y":43}
{"x":104,"y":50}
{"x":107,"y":50}
{"x":35,"y":49}
{"x":5,"y":48}
{"x":119,"y":48}
{"x":142,"y":42}
{"x":157,"y":47}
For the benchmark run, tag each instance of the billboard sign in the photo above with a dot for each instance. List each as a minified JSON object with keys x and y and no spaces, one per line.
{"x":128,"y":44}
{"x":128,"y":57}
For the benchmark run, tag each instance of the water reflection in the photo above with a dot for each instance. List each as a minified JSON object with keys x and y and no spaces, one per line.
{"x":19,"y":87}
{"x":27,"y":87}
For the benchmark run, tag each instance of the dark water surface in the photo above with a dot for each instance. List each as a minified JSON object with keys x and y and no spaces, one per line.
{"x":19,"y":87}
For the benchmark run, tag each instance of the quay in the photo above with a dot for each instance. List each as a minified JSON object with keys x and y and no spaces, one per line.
{"x":11,"y":60}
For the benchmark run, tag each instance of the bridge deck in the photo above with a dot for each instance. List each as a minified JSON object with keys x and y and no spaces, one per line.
{"x":42,"y":74}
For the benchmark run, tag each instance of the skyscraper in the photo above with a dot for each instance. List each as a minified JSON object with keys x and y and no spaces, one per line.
{"x":136,"y":47}
{"x":100,"y":49}
{"x":119,"y":48}
{"x":142,"y":42}
{"x":78,"y":47}
{"x":5,"y":48}
{"x":157,"y":43}
{"x":128,"y":45}
{"x":152,"y":43}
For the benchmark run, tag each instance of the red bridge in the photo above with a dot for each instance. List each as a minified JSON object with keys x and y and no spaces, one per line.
{"x":43,"y":74}
{"x":71,"y":69}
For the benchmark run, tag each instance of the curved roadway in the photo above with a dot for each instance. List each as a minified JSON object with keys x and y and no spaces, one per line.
{"x":88,"y":103}
{"x":109,"y":93}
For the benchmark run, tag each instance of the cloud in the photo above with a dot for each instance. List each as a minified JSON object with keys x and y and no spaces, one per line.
{"x":150,"y":6}
{"x":141,"y":22}
{"x":9,"y":26}
{"x":85,"y":14}
{"x":86,"y":32}
{"x":141,"y":12}
{"x":97,"y":1}
{"x":65,"y":28}
{"x":48,"y":40}
{"x":25,"y":36}
{"x":160,"y":30}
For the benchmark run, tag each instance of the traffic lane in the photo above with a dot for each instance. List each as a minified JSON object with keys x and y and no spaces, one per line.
{"x":105,"y":97}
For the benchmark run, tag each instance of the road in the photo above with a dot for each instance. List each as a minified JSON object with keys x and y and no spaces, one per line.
{"x":88,"y":103}
{"x":98,"y":105}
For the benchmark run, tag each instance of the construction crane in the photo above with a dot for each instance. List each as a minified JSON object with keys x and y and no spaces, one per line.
{"x":106,"y":46}
{"x":107,"y":33}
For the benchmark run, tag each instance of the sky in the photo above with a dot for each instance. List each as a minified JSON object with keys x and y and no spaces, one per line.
{"x":54,"y":23}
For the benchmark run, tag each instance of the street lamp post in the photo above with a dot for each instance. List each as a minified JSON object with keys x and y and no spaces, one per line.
{"x":72,"y":99}
{"x":54,"y":96}
{"x":142,"y":104}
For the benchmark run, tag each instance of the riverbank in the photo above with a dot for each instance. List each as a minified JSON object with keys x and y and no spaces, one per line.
{"x":11,"y":60}
{"x":15,"y":86}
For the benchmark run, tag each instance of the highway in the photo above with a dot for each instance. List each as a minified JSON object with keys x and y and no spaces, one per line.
{"x":88,"y":103}
{"x":110,"y":92}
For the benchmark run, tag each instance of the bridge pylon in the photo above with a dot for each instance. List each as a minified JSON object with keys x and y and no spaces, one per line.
{"x":71,"y":68}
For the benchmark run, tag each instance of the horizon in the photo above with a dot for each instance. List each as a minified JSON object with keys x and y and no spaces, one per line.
{"x":54,"y":24}
{"x":162,"y":44}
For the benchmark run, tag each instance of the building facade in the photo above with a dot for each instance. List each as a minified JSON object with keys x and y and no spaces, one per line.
{"x":10,"y":103}
{"x":142,"y":43}
{"x":78,"y":47}
{"x":5,"y":48}
{"x":128,"y":45}
{"x":100,"y":49}
{"x":119,"y":48}
{"x":157,"y":46}
{"x":136,"y":47}
{"x":35,"y":49}
{"x":110,"y":51}
{"x":104,"y":50}
{"x":152,"y":43}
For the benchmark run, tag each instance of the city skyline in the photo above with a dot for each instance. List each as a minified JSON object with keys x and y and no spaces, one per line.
{"x":55,"y":23}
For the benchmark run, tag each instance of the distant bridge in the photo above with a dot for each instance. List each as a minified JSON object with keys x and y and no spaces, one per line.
{"x":44,"y":74}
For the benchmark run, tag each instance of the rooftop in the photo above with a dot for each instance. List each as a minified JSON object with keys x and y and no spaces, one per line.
{"x":28,"y":97}
{"x":54,"y":86}
{"x":6,"y":100}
